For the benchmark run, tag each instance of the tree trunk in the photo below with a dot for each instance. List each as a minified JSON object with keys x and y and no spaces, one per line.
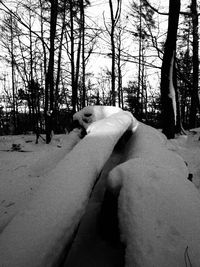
{"x":194,"y":93}
{"x":56,"y":97}
{"x":83,"y":53}
{"x":73,"y":83}
{"x":120,"y":89}
{"x":168,"y":74}
{"x":59,"y":57}
{"x":32,"y":83}
{"x":78,"y":57}
{"x":13,"y":76}
{"x":113,"y":100}
{"x":138,"y":111}
{"x":49,"y":112}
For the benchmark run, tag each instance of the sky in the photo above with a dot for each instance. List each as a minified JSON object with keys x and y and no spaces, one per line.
{"x":96,"y":12}
{"x":98,"y":9}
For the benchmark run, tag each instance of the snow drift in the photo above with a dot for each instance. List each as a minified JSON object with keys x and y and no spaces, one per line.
{"x":158,"y":207}
{"x":38,"y":234}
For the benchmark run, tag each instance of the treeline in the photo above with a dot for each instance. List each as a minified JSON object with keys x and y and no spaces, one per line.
{"x":48,"y":48}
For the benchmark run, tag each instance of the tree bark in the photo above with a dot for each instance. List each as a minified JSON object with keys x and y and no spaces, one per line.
{"x":195,"y":59}
{"x":113,"y":100}
{"x":168,"y":74}
{"x":73,"y":83}
{"x":50,"y":73}
{"x":60,"y":56}
{"x":83,"y":53}
{"x":114,"y":19}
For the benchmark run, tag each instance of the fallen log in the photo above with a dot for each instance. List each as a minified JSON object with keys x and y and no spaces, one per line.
{"x":37,"y":235}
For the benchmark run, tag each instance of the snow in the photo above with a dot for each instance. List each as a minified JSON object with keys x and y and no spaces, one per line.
{"x":90,"y":114}
{"x":21,"y":173}
{"x":188,"y":147}
{"x":37,"y":234}
{"x":44,"y":192}
{"x":171,"y":88}
{"x":158,"y":207}
{"x":159,"y":215}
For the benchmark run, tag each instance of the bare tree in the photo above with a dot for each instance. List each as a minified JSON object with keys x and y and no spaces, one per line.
{"x":13,"y":72}
{"x":195,"y":59}
{"x":49,"y":89}
{"x":82,"y":11}
{"x":168,"y":73}
{"x":8,"y":39}
{"x":114,"y":17}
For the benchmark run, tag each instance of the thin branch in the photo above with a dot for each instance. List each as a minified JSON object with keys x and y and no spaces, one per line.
{"x":164,"y":13}
{"x":155,"y":9}
{"x":9,"y":11}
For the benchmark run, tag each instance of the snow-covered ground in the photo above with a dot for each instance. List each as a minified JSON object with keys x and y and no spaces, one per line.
{"x":22,"y":171}
{"x":189,"y":148}
{"x":25,"y":168}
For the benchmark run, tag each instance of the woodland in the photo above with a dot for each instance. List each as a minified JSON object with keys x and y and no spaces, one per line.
{"x":49,"y":50}
{"x":89,"y":78}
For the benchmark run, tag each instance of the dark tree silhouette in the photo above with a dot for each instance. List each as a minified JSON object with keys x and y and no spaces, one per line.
{"x":114,"y":16}
{"x":168,"y":73}
{"x":195,"y":60}
{"x":49,"y":90}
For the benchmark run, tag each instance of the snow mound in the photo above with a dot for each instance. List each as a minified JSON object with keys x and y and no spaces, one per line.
{"x":150,"y":144}
{"x":38,"y":234}
{"x":159,"y":215}
{"x":158,"y":207}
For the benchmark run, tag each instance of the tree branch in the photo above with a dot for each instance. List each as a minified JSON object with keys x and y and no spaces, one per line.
{"x":9,"y":11}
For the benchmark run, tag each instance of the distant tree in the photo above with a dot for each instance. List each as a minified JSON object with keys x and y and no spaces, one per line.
{"x":132,"y":102}
{"x":114,"y":18}
{"x":28,"y":56}
{"x":62,"y":15}
{"x":184,"y":61}
{"x":142,"y":17}
{"x":82,"y":12}
{"x":119,"y":64}
{"x":8,"y":41}
{"x":33,"y":95}
{"x":13,"y":72}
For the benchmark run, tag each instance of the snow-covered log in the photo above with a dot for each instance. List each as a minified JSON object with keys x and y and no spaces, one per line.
{"x":38,"y":234}
{"x":158,"y":207}
{"x":90,"y":114}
